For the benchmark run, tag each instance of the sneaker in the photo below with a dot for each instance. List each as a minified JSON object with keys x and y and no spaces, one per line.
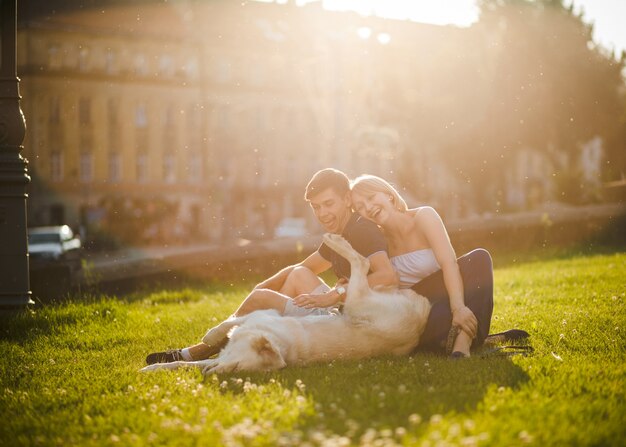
{"x":169,"y":356}
{"x":507,"y":336}
{"x":458,"y":355}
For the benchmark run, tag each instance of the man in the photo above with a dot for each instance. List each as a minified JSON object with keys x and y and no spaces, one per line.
{"x":297,"y":290}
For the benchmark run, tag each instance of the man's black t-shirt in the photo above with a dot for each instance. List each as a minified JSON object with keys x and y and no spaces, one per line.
{"x":364,"y":236}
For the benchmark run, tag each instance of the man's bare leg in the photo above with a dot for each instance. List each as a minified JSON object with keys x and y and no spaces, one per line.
{"x":300,"y":280}
{"x":260,"y":299}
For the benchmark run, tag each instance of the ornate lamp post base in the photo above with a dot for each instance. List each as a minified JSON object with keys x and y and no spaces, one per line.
{"x":14,"y":279}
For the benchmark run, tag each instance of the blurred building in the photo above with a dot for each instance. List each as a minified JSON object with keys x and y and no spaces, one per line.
{"x":221,"y":110}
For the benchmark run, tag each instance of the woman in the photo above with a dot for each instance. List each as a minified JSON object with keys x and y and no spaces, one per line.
{"x":460,"y":290}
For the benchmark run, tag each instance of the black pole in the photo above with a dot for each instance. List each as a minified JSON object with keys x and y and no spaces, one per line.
{"x":14,"y":279}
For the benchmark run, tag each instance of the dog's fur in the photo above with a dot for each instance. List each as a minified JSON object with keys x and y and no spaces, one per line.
{"x":374,"y":322}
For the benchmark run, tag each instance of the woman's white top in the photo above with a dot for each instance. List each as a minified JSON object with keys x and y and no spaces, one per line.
{"x":414,"y":266}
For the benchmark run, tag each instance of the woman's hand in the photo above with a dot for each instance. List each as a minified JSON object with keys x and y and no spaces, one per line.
{"x":464,"y":319}
{"x":310,"y":301}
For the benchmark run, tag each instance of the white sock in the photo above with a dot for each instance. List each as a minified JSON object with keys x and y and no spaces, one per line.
{"x":186,"y":355}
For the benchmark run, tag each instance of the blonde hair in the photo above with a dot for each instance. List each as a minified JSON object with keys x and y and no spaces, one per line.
{"x":369,"y":184}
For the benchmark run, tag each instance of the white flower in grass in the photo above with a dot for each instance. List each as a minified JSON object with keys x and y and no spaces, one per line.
{"x":402,"y":388}
{"x":524,"y":436}
{"x":400,"y":432}
{"x":415,"y":419}
{"x":469,"y":424}
{"x":436,"y":419}
{"x":386,"y":433}
{"x":114,"y":438}
{"x":469,"y":441}
{"x":454,"y":430}
{"x":368,"y":437}
{"x":224,"y":385}
{"x":436,"y":435}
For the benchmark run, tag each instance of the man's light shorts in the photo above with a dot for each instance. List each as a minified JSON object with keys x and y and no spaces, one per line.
{"x":291,"y":310}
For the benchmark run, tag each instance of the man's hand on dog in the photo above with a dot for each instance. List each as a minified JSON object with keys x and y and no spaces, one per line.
{"x":310,"y":301}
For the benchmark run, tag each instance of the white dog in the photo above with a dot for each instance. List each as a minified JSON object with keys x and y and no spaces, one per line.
{"x":374,"y":322}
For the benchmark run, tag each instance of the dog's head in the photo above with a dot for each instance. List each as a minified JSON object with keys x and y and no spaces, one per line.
{"x":253,"y":351}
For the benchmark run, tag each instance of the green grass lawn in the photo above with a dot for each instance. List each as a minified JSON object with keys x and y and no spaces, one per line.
{"x":69,"y":375}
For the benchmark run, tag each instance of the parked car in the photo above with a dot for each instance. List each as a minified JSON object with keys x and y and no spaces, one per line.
{"x":291,"y":227}
{"x":54,"y":246}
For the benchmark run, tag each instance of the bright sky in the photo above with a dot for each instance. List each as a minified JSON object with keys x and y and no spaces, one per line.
{"x":608,"y":16}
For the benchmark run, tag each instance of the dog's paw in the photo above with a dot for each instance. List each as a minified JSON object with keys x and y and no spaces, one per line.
{"x":157,"y":366}
{"x":220,"y":368}
{"x":335,"y":241}
{"x":152,"y":367}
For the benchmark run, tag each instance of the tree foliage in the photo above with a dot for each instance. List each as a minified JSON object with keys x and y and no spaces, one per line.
{"x":528,"y":77}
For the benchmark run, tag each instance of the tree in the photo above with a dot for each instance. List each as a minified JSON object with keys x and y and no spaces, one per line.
{"x":550,"y":90}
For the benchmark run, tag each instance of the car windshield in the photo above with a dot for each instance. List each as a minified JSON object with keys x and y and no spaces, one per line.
{"x":43,"y":238}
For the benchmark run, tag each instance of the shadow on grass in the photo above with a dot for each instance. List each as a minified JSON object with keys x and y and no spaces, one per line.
{"x":385,"y":392}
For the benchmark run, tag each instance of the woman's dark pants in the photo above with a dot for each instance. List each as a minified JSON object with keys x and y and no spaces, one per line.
{"x":477,"y":273}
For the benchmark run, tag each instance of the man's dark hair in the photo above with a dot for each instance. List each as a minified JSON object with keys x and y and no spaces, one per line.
{"x":327,"y":178}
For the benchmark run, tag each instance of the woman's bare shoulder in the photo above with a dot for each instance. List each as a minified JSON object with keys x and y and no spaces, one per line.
{"x":424,"y":212}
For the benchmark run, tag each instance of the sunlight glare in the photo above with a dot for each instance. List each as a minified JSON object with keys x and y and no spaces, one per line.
{"x":437,"y":12}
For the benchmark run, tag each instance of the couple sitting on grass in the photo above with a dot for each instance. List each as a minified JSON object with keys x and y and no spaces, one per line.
{"x":407,"y":248}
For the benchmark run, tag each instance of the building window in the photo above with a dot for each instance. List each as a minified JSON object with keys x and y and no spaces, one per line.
{"x":168,"y":116}
{"x":112,"y":112}
{"x":141,"y":116}
{"x":55,"y":60}
{"x":223,"y":120}
{"x":83,"y":58}
{"x":113,"y":125}
{"x":141,"y":67}
{"x":56,"y":166}
{"x":166,"y":65}
{"x":84,"y":111}
{"x":54,"y":116}
{"x":142,"y":167}
{"x":169,"y":168}
{"x":115,"y":167}
{"x":223,"y":71}
{"x":86,"y":166}
{"x":195,"y":167}
{"x":191,"y":68}
{"x":109,"y":62}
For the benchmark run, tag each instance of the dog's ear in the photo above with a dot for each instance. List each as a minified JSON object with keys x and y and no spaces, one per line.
{"x":268,"y":351}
